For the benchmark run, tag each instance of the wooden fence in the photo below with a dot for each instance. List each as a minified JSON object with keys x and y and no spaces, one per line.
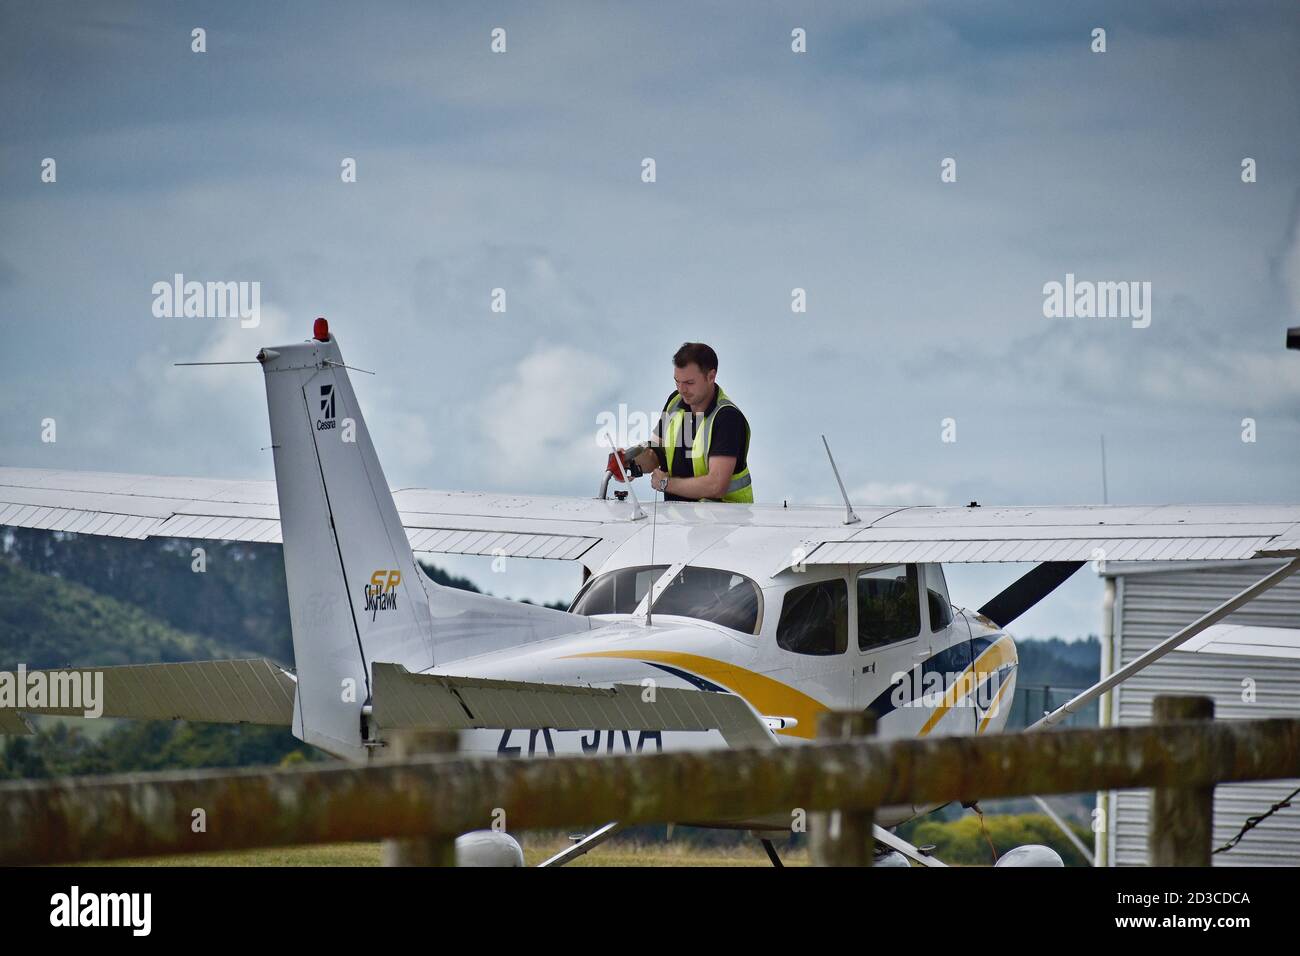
{"x":422,"y":802}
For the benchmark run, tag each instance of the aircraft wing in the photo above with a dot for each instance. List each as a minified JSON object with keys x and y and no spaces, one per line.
{"x":588,"y":529}
{"x":440,"y":522}
{"x":1054,"y":533}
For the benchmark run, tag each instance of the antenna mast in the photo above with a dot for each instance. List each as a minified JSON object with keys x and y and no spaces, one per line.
{"x":1105,"y":492}
{"x":849,"y":516}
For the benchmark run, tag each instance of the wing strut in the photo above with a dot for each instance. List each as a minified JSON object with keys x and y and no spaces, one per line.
{"x":1172,"y":643}
{"x":592,"y":840}
{"x":895,"y":842}
{"x":1065,"y":829}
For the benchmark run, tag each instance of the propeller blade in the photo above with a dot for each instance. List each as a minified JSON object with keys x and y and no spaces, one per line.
{"x":1028,"y":590}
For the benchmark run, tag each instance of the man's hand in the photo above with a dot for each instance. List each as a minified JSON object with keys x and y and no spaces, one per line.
{"x":708,"y":487}
{"x":647,"y":460}
{"x":657,"y":478}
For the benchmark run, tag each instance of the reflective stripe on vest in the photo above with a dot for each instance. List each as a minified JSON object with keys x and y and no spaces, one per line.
{"x":739,"y":489}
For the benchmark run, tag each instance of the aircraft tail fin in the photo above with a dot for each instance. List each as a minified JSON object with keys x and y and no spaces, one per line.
{"x":356,"y":593}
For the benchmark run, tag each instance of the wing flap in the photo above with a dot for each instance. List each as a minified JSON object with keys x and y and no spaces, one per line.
{"x":403,"y":700}
{"x":1039,"y":548}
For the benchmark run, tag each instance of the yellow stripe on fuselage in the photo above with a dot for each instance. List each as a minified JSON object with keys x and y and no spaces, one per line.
{"x":772,"y":698}
{"x":993,"y":707}
{"x":997,"y":654}
{"x":769,"y":697}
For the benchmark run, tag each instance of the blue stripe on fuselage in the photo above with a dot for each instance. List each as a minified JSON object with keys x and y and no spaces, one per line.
{"x":951,"y":660}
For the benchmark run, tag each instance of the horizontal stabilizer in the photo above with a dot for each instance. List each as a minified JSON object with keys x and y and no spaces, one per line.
{"x":225,"y":692}
{"x":403,"y":700}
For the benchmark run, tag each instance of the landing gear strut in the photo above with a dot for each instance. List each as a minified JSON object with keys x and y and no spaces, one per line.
{"x":771,"y":853}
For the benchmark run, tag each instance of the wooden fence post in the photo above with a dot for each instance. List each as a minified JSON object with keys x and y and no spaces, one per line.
{"x":1181,"y":824}
{"x":841,"y":837}
{"x":421,"y":851}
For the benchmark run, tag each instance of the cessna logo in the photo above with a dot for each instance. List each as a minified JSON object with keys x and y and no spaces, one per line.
{"x":326,"y":408}
{"x":381,"y":592}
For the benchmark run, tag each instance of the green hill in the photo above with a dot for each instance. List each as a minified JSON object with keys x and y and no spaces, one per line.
{"x":46,"y":621}
{"x":71,"y":600}
{"x":49,"y":622}
{"x":238,"y":600}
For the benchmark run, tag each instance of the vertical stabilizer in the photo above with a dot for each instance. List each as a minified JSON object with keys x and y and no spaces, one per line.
{"x":355,"y":594}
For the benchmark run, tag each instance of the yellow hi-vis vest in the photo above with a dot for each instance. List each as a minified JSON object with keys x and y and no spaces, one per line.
{"x":740,"y":489}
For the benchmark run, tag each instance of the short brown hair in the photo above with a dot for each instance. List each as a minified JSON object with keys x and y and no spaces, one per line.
{"x":696,"y":352}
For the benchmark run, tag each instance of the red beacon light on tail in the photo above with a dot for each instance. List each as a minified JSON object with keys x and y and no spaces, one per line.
{"x":320,"y":330}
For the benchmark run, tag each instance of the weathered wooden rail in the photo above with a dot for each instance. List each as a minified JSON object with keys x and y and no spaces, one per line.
{"x":431,"y":799}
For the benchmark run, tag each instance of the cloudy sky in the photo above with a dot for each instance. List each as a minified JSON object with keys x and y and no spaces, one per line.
{"x":775,"y":170}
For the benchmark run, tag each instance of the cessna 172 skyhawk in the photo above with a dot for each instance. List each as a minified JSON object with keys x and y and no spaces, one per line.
{"x":744,"y":621}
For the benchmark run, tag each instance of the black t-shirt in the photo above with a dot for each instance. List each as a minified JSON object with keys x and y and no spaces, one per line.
{"x":729,"y":438}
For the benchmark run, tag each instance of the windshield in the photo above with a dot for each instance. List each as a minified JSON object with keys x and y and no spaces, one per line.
{"x":616,"y":592}
{"x":722,"y":597}
{"x":708,"y":594}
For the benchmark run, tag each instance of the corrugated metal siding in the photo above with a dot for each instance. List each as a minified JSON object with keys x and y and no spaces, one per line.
{"x":1151,"y":606}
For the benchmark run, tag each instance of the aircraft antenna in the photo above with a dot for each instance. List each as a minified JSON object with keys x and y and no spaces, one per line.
{"x":249,"y":362}
{"x":654,"y":515}
{"x":1105,"y":493}
{"x":332,"y":364}
{"x":849,"y":516}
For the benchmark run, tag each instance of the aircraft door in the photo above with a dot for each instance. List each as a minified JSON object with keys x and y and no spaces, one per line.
{"x":891,"y":647}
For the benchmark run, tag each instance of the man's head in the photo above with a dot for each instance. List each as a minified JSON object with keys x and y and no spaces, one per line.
{"x":696,"y":369}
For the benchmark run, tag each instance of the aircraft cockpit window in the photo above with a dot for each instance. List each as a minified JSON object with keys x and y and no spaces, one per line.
{"x":616,"y":592}
{"x":889,"y":606}
{"x":815,"y":618}
{"x":940,"y":608}
{"x":709,"y":594}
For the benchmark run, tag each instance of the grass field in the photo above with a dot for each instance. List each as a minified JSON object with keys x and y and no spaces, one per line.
{"x":612,"y":854}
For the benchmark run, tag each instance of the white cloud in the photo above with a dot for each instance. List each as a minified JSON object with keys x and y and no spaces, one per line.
{"x":897,"y":493}
{"x":776,"y":171}
{"x":542,"y":422}
{"x":226,"y":394}
{"x":878,"y":493}
{"x":405,"y":447}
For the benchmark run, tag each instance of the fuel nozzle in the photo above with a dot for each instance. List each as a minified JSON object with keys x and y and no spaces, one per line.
{"x":622,"y":464}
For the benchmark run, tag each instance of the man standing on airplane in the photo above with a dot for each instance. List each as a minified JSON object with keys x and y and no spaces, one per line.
{"x":703,"y":454}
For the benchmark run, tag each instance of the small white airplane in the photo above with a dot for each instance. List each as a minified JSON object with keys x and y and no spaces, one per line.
{"x":706,"y":625}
